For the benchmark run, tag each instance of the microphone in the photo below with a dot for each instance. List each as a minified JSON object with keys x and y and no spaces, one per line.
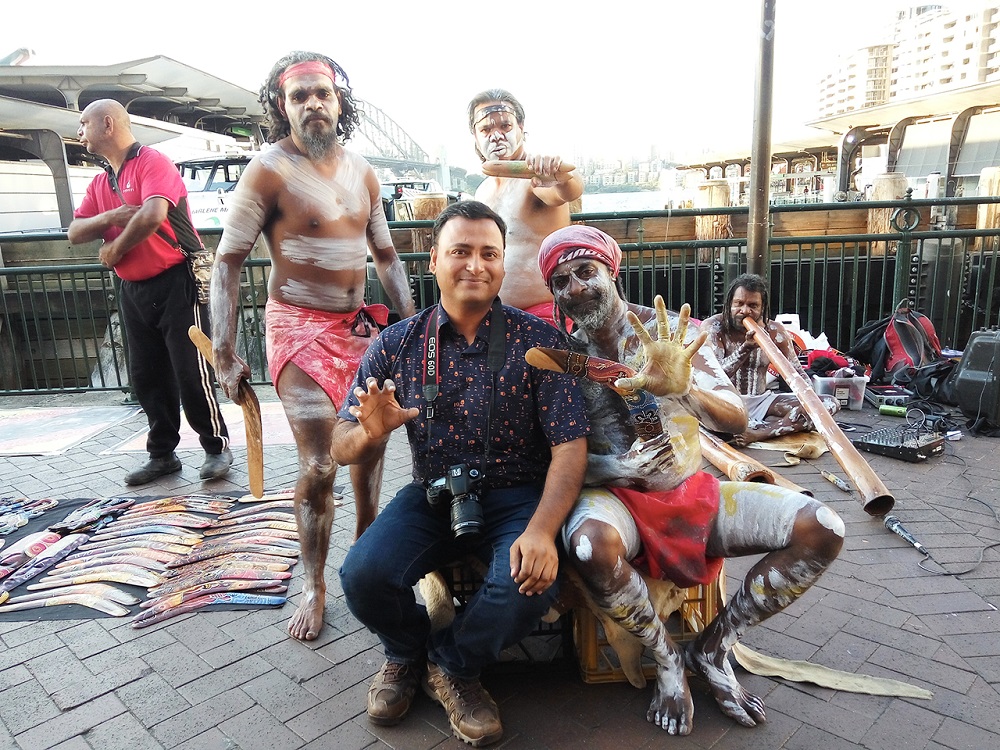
{"x":896,"y":527}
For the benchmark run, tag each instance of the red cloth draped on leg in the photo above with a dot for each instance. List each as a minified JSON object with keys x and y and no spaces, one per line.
{"x":674,"y":528}
{"x":327,"y":346}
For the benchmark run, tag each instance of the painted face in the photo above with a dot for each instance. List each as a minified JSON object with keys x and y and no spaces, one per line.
{"x":584,"y":290}
{"x":746,"y":304}
{"x":468,"y":261}
{"x":498,"y":136}
{"x":312,"y":105}
{"x":91,"y":130}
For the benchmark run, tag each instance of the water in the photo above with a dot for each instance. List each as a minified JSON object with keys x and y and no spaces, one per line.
{"x":642,"y":200}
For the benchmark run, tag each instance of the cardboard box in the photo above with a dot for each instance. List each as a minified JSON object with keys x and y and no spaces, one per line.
{"x":850,"y":392}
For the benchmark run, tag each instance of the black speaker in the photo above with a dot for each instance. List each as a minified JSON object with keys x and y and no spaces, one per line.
{"x":977,"y":385}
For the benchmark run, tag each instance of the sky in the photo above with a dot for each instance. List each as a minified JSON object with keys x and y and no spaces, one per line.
{"x":606,"y":82}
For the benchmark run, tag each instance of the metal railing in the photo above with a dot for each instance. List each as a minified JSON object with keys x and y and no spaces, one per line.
{"x":59,"y":327}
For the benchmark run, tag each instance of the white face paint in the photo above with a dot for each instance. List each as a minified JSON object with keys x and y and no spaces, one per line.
{"x":777,"y":580}
{"x":600,"y":505}
{"x":752,"y":514}
{"x":759,"y":593}
{"x":328,"y":253}
{"x":331,"y":199}
{"x":306,"y":403}
{"x":831,"y":520}
{"x":305,"y":293}
{"x":632,"y":592}
{"x":583,"y":550}
{"x":244,"y":222}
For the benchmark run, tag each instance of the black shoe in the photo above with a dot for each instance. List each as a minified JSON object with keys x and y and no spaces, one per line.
{"x":216,"y":464}
{"x":153,"y":468}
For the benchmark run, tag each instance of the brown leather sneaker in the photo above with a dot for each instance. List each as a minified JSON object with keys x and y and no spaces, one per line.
{"x":391,"y":693}
{"x":473,"y":715}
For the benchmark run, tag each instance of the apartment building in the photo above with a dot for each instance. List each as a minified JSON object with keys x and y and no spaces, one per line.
{"x":928,"y":50}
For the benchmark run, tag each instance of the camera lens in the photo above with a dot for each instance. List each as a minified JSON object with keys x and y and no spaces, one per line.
{"x":467,"y":515}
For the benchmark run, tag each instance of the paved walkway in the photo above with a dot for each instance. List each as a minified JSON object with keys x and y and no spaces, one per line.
{"x":235,"y":680}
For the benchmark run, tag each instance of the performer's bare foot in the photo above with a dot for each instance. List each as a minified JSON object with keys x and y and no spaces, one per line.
{"x":307,"y":621}
{"x":743,"y":707}
{"x":672,"y":708}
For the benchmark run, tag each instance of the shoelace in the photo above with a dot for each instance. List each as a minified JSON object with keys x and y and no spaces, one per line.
{"x":394,"y":671}
{"x":469,"y":692}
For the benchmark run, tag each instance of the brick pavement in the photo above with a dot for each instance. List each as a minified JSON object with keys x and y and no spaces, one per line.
{"x":234,"y":680}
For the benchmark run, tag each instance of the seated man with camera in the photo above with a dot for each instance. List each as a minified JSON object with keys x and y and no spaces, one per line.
{"x":499,"y":454}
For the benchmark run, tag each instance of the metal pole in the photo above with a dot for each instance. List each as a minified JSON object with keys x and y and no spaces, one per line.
{"x":758,"y":255}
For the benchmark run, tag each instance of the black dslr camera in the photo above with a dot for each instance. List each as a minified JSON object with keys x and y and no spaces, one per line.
{"x":460,"y":485}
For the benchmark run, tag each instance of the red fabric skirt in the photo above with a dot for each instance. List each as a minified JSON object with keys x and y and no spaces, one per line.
{"x":674,"y":528}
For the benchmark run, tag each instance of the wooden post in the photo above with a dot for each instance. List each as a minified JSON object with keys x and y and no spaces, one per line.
{"x":712,"y":194}
{"x":886,"y":187}
{"x":426,"y":207}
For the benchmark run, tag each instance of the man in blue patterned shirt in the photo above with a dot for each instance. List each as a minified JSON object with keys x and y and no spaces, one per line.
{"x":482,"y":424}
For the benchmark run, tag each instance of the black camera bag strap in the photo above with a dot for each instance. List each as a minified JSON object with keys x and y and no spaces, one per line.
{"x":496,"y":351}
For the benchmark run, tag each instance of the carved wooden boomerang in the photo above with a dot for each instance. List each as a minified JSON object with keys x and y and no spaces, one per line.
{"x":251,"y":417}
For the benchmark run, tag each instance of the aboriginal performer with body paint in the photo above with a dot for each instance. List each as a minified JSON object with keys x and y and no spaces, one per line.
{"x":319,"y":208}
{"x":770,"y":414}
{"x":659,"y":512}
{"x":533,"y":207}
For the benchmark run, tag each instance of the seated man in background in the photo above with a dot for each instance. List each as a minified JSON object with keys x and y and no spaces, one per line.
{"x":662,"y":514}
{"x":770,"y":414}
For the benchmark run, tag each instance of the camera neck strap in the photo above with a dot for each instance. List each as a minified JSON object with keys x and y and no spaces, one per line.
{"x":496,"y":349}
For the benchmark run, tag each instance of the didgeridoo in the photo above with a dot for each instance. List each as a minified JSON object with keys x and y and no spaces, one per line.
{"x":731,"y":462}
{"x":251,"y":417}
{"x":503,"y":168}
{"x":739,"y":467}
{"x":875,"y":496}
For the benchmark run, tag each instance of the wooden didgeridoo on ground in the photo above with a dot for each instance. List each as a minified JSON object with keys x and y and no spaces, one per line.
{"x":731,"y":462}
{"x":251,"y":417}
{"x":740,"y":467}
{"x":875,"y":496}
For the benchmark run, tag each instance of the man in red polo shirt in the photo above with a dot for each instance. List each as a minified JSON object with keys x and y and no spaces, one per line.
{"x":139,"y":208}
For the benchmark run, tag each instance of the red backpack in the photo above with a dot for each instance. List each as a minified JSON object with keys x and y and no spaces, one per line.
{"x":907,"y":340}
{"x":910,"y":339}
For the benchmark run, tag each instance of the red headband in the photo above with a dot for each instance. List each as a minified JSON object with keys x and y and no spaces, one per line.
{"x":305,"y":68}
{"x":578,"y":241}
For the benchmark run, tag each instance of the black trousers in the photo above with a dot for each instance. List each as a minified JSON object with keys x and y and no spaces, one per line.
{"x":165,"y":368}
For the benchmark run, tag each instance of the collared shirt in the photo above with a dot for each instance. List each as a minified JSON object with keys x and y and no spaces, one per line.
{"x":146,"y":173}
{"x":532,"y":410}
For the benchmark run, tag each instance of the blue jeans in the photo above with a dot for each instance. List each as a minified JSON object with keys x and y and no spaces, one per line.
{"x":410,"y":539}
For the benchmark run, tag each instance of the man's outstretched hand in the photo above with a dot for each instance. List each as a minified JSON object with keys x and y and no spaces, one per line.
{"x":666,"y":369}
{"x":377,"y":411}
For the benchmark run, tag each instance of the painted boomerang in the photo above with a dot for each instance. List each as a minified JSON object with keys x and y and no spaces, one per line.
{"x":210,"y":600}
{"x":251,"y":416}
{"x":642,"y":405}
{"x":87,"y":600}
{"x":43,"y":560}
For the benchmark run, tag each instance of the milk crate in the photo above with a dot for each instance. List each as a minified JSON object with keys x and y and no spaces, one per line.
{"x":598,"y":661}
{"x":549,"y":642}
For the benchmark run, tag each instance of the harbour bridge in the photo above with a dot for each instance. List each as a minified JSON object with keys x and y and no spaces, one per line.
{"x":391,"y":146}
